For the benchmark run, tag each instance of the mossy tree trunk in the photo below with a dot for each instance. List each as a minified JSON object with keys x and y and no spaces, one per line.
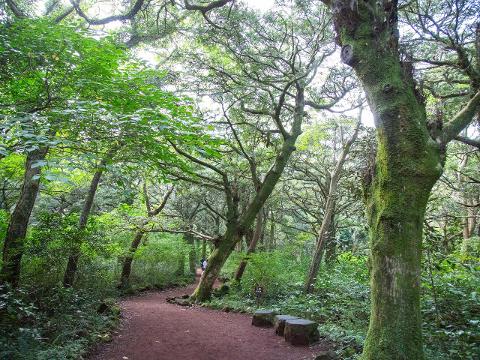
{"x":13,"y":247}
{"x":127,"y":262}
{"x":409,"y":161}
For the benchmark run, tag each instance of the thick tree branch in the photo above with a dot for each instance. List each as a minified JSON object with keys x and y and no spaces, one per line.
{"x":148,"y":205}
{"x":206,"y":8}
{"x":63,"y":15}
{"x":191,"y":231}
{"x":461,"y":120}
{"x":198,"y":161}
{"x":159,"y":209}
{"x":127,"y":16}
{"x":468,"y":141}
{"x":15,"y":9}
{"x":214,"y":211}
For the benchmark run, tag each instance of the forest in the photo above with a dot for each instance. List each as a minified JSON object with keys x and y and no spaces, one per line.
{"x":321,"y":155}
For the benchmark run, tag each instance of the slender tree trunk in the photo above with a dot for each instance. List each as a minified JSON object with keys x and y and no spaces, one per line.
{"x":469,"y":223}
{"x":329,"y":212}
{"x":239,"y":246}
{"x":331,"y":244}
{"x":322,"y":236}
{"x":251,"y":249}
{"x":248,"y":238}
{"x":13,"y":247}
{"x":272,"y":232}
{"x":71,"y":270}
{"x":127,"y":263}
{"x":191,"y":253}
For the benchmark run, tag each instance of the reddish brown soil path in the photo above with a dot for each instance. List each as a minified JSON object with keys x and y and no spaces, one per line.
{"x":152,"y":329}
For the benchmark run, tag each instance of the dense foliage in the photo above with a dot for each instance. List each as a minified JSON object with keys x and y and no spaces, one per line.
{"x":341,"y":301}
{"x":134,"y":145}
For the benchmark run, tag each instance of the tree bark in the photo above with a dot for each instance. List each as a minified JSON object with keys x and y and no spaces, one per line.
{"x":331,"y":244}
{"x":396,"y":212}
{"x":180,"y":272}
{"x":215,"y":263}
{"x":13,"y":247}
{"x":127,"y":263}
{"x":251,"y":248}
{"x":72,"y":264}
{"x":204,"y":249}
{"x":272,"y":231}
{"x":408,"y":163}
{"x":470,"y":211}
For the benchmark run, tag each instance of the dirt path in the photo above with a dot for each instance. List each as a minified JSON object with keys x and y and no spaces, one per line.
{"x":153,"y":329}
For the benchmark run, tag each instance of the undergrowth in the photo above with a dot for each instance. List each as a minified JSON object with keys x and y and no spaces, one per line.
{"x":341,"y":302}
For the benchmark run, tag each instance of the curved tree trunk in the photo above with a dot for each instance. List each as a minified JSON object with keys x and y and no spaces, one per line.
{"x":215,"y":263}
{"x":251,"y":248}
{"x":238,"y":225}
{"x":17,"y":227}
{"x":127,"y":263}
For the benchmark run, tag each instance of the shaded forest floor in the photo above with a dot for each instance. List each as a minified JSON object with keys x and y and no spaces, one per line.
{"x":153,"y":329}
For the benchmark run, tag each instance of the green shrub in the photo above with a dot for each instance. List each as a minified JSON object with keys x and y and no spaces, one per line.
{"x":341,"y":302}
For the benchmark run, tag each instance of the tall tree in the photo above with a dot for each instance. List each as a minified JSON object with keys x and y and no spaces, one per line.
{"x":42,"y":76}
{"x":329,"y":210}
{"x":411,"y":151}
{"x":260,"y":80}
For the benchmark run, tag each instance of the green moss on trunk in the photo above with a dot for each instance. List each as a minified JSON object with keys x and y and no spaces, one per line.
{"x":408,"y":163}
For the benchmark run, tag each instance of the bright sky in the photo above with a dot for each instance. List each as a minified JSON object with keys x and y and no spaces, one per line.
{"x":103,"y":8}
{"x":260,"y":4}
